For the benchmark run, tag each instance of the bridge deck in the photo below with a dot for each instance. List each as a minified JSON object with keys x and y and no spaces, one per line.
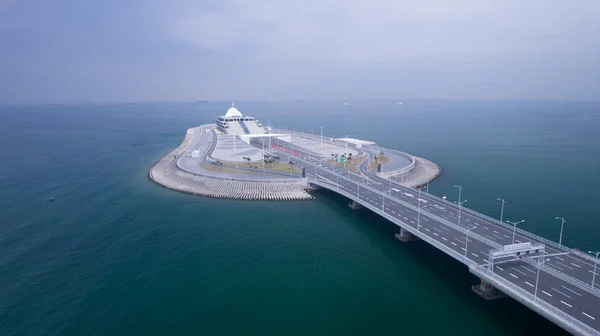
{"x":564,"y":294}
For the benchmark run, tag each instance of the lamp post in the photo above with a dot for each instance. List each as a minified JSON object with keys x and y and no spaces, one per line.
{"x":515,"y":228}
{"x":562,"y":224}
{"x":595,"y":264}
{"x":419,"y":213}
{"x":502,"y":209}
{"x":321,"y":137}
{"x":459,"y":209}
{"x":459,"y":202}
{"x":537,"y":277}
{"x":467,"y":241}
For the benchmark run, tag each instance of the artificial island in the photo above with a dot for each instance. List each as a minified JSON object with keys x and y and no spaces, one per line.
{"x":238,"y":157}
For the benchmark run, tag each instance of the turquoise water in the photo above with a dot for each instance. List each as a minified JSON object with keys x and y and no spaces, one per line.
{"x":116,"y":254}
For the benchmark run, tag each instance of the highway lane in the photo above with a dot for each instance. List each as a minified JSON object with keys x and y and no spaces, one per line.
{"x":580,"y":304}
{"x":567,"y":298}
{"x":571,"y":264}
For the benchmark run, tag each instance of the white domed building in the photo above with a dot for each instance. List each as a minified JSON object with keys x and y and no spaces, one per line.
{"x":234,"y":122}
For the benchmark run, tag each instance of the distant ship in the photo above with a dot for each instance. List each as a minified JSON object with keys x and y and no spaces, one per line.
{"x":444,"y":197}
{"x":345,"y":103}
{"x":400,"y":103}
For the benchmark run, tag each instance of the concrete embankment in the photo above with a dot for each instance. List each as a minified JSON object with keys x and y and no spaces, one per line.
{"x":166,"y":173}
{"x":423,"y":172}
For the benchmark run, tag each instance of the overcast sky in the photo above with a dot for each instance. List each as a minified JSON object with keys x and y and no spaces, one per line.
{"x":160,"y":50}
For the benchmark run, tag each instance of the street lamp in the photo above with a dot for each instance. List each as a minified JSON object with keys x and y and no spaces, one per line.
{"x":321,"y":137}
{"x":419,"y":213}
{"x":562,"y":224}
{"x":459,"y":209}
{"x":467,"y":240}
{"x":502,"y":210}
{"x":537,"y":277}
{"x":595,"y":264}
{"x":515,"y":228}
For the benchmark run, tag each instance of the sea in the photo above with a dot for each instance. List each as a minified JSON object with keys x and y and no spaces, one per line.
{"x":90,"y":246}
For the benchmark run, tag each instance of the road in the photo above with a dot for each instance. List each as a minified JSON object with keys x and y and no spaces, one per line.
{"x":438,"y":220}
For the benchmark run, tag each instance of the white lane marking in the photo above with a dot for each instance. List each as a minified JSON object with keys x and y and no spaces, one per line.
{"x":405,"y":218}
{"x":529,"y":284}
{"x":527,"y":268}
{"x":507,"y":236}
{"x":570,"y":290}
{"x":463,"y":248}
{"x":393,"y":211}
{"x":518,"y":241}
{"x":436,"y":229}
{"x":468,"y":220}
{"x":427,"y":230}
{"x":546,"y":293}
{"x":516,"y":270}
{"x":412,"y":222}
{"x":592,"y":272}
{"x":475,"y":255}
{"x":569,"y":267}
{"x":593,"y":318}
{"x":559,"y":258}
{"x":500,"y":268}
{"x":436,"y":234}
{"x":453,"y":243}
{"x":475,"y":223}
{"x":575,"y":265}
{"x":566,"y":304}
{"x":451,"y":213}
{"x":514,"y":276}
{"x":556,"y":290}
{"x":486,"y":227}
{"x":444,"y":228}
{"x":560,"y":268}
{"x":496,"y":232}
{"x":444,"y":239}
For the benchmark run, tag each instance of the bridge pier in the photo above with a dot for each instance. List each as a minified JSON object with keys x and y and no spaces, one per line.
{"x":405,"y":236}
{"x":487,"y":291}
{"x":355,"y":206}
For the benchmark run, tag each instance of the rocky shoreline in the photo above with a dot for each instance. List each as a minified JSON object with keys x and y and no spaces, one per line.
{"x":166,"y":173}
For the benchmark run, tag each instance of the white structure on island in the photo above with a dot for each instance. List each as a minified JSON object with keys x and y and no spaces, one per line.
{"x":234,"y":122}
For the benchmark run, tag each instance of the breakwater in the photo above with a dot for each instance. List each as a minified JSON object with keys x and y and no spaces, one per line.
{"x":166,"y":173}
{"x":423,"y":171}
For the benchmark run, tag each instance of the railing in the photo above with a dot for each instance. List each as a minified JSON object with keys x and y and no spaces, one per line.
{"x":595,"y":291}
{"x":576,"y":282}
{"x":534,"y":302}
{"x":430,"y":215}
{"x":458,"y":256}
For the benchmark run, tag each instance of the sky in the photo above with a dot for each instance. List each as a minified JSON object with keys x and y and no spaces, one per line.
{"x":158,"y":50}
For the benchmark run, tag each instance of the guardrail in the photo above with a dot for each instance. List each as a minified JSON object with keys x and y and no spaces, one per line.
{"x":425,"y":213}
{"x":535,"y":303}
{"x":458,"y":256}
{"x":595,"y":291}
{"x":548,"y":268}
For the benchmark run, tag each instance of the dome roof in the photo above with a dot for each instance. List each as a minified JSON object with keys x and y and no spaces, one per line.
{"x":233,"y":112}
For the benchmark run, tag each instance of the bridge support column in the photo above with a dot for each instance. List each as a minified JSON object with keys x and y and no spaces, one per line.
{"x":405,"y":236}
{"x":354,"y":205}
{"x":487,"y":291}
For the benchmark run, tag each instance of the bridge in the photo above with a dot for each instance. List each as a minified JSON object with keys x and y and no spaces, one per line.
{"x":551,"y":279}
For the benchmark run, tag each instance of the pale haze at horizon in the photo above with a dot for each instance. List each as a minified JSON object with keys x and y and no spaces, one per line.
{"x":156,"y":50}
